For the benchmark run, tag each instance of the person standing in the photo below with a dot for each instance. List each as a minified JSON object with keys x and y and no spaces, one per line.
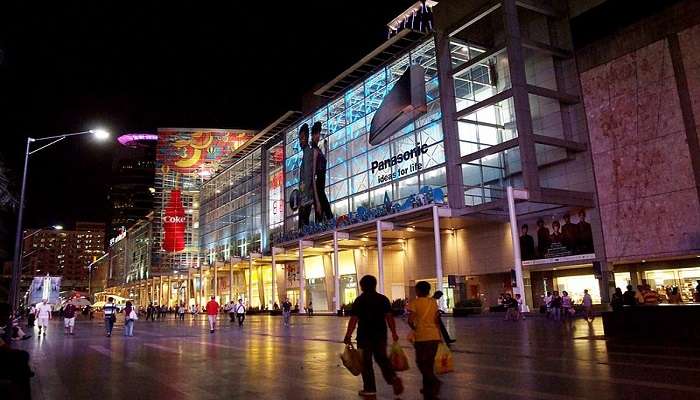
{"x":424,"y":319}
{"x":43,"y":315}
{"x":556,"y":305}
{"x":445,"y":335}
{"x":618,"y":300}
{"x":232,"y":311}
{"x":212,"y":313}
{"x":286,"y":311}
{"x":548,"y":305}
{"x":149,"y":312}
{"x":69,"y":317}
{"x":675,"y":297}
{"x":310,"y":309}
{"x":31,"y":316}
{"x":240,"y":312}
{"x":181,"y":312}
{"x":129,"y":318}
{"x":527,"y":244}
{"x":110,"y":314}
{"x":520,"y":312}
{"x":587,"y":303}
{"x":371,"y":315}
{"x":566,"y":305}
{"x":629,"y":298}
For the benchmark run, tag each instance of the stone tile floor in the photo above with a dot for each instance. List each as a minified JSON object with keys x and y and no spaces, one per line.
{"x":494,"y":359}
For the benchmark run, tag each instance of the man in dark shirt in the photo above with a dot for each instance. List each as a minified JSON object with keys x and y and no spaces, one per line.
{"x":306,"y":178}
{"x":568,"y":234}
{"x":584,"y":234}
{"x":543,"y":238}
{"x":629,"y":297}
{"x":527,"y":244}
{"x":371,"y":314}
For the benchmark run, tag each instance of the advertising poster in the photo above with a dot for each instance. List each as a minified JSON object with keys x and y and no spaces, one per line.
{"x":563,"y":237}
{"x":45,"y":287}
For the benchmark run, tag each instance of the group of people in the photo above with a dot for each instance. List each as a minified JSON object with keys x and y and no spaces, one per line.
{"x":513,"y":306}
{"x":645,"y":295}
{"x":561,"y":307}
{"x":372,"y":315}
{"x":567,"y":237}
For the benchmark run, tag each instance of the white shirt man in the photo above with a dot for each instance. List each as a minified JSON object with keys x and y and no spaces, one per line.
{"x":43,"y":315}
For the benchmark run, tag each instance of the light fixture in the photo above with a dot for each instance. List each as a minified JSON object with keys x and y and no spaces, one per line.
{"x":58,"y":227}
{"x":100,"y":134}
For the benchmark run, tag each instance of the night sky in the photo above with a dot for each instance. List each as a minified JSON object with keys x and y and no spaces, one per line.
{"x":136,"y":66}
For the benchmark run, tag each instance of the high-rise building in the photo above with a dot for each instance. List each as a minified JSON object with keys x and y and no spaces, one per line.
{"x":64,"y":253}
{"x":132,"y":186}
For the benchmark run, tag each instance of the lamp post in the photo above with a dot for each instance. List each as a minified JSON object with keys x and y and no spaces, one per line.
{"x":100,"y":134}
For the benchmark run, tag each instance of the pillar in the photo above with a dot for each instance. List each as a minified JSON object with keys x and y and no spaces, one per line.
{"x":380,"y":258}
{"x":274,"y":277}
{"x":187,"y":286}
{"x":216,"y":282}
{"x":250,"y":280}
{"x":515,"y":237}
{"x":201,"y":286}
{"x":230,"y":281}
{"x":302,"y":279}
{"x":336,"y":272}
{"x":438,"y":250}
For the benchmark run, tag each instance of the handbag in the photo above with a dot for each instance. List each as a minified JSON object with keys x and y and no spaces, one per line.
{"x":399,"y":361}
{"x":133,"y":316}
{"x":352,"y":359}
{"x":443,"y":360}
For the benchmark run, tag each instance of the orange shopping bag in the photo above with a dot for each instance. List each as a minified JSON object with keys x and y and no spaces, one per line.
{"x":352,"y":359}
{"x":443,"y":360}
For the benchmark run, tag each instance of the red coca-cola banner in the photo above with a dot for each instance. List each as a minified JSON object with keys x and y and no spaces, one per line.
{"x":174,"y":223}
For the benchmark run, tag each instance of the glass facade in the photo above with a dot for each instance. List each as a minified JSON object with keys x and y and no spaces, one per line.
{"x":231,"y":210}
{"x":351,"y":180}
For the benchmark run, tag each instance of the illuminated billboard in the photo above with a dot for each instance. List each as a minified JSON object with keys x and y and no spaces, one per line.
{"x":45,"y":287}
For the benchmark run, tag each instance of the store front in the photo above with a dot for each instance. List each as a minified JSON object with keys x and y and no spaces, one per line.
{"x":662,"y":276}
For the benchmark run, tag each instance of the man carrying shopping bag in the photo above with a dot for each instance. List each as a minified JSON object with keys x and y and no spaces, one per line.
{"x":424,"y":319}
{"x":371,"y":315}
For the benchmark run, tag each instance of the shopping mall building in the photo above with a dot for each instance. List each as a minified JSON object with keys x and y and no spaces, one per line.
{"x":593,"y":132}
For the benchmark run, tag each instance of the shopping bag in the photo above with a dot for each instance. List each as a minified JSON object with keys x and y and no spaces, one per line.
{"x":352,"y":359}
{"x":443,"y":360}
{"x":399,"y":361}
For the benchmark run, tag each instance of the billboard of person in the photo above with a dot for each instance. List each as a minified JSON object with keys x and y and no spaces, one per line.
{"x":584,"y":234}
{"x":306,"y":178}
{"x":556,"y":235}
{"x":543,"y":239}
{"x":568,"y":234}
{"x":527,"y":244}
{"x":322,"y":207}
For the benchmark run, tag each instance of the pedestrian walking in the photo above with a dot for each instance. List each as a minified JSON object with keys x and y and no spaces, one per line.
{"x":511,"y":306}
{"x":130,"y":316}
{"x":445,"y":335}
{"x":548,"y":305}
{"x":587,"y":304}
{"x":240,"y":312}
{"x":286,"y":311}
{"x":310,"y":309}
{"x":110,"y":313}
{"x":69,"y":313}
{"x":424,"y":319}
{"x":212,"y":313}
{"x":43,"y":315}
{"x":31,"y":316}
{"x":371,"y":315}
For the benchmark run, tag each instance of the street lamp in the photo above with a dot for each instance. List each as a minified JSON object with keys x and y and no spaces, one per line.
{"x":99,"y":134}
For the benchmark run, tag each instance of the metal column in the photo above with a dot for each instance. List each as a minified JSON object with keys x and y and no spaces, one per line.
{"x":515,"y":237}
{"x":202,"y":295}
{"x":230,"y":281}
{"x":250,"y":280}
{"x":336,"y":272}
{"x":216,"y":282}
{"x":302,"y":279}
{"x":380,"y":259}
{"x":187,"y":287}
{"x":438,"y":250}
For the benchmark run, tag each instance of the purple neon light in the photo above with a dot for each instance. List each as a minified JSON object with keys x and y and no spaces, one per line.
{"x":135,"y":137}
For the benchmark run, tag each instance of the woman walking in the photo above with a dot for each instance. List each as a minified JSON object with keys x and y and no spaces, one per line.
{"x":110,"y":312}
{"x":130,"y":315}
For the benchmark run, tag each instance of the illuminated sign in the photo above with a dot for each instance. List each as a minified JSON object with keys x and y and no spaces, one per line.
{"x":174,"y":224}
{"x":120,"y":236}
{"x":402,"y":105}
{"x":276,"y":204}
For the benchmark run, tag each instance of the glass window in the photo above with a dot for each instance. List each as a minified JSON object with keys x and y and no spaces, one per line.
{"x":338,"y":173}
{"x":358,"y":164}
{"x":360,"y":183}
{"x":408,"y":187}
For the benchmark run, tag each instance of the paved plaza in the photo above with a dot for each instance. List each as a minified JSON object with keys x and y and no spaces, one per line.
{"x":494,"y":359}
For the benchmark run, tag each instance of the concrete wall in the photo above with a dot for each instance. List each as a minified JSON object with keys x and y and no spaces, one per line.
{"x":646,"y":188}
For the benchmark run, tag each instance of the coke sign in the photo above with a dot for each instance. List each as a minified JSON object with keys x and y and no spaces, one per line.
{"x":174,"y":224}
